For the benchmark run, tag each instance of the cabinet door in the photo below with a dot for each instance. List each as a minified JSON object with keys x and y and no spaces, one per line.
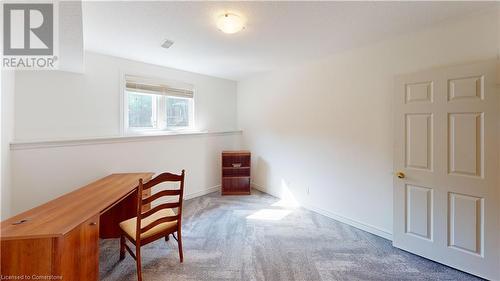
{"x":80,"y":252}
{"x":89,"y":251}
{"x":236,"y":185}
{"x":26,"y":257}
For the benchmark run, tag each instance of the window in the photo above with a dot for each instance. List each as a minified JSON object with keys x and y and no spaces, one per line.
{"x":177,"y":112}
{"x":153,"y":106}
{"x":140,"y":110}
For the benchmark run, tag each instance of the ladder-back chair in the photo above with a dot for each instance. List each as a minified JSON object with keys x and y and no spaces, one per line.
{"x":157,"y":222}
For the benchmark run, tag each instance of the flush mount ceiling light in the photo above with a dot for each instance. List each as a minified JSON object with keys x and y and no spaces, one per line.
{"x":230,"y":23}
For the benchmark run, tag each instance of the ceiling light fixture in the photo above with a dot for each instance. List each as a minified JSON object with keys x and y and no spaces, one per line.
{"x":230,"y":23}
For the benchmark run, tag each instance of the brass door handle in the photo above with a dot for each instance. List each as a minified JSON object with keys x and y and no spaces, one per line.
{"x":92,"y":223}
{"x":400,"y":175}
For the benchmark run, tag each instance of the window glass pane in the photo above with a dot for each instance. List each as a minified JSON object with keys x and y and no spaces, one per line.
{"x":140,"y":110}
{"x":177,"y":112}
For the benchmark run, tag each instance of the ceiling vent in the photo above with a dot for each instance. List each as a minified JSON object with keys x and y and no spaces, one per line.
{"x":167,"y":44}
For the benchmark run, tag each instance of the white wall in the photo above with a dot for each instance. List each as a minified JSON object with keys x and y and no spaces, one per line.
{"x":4,"y":201}
{"x":327,"y":126}
{"x":55,"y":104}
{"x":44,"y":173}
{"x":59,"y":105}
{"x":70,"y":36}
{"x":7,"y":123}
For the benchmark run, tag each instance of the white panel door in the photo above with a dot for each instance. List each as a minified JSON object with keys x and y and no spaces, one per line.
{"x":446,"y":187}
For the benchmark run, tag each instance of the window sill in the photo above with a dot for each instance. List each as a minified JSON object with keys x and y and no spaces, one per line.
{"x":153,"y":132}
{"x":136,"y":137}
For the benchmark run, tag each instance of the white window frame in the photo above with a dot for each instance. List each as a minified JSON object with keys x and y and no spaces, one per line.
{"x":126,"y":130}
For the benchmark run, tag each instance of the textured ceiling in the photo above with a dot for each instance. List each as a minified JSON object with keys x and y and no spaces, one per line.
{"x":277,"y":34}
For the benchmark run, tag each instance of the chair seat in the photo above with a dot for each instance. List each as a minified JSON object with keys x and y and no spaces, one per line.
{"x":129,"y":226}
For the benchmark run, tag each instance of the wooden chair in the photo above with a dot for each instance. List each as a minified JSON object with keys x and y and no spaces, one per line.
{"x":157,"y":222}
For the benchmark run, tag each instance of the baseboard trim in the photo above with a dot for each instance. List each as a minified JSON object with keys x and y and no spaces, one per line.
{"x":357,"y":224}
{"x":202,"y":192}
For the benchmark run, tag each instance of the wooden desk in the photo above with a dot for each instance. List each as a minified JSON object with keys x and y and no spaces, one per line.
{"x":61,"y":237}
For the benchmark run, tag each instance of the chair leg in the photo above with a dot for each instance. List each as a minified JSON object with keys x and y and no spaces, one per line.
{"x":179,"y":243}
{"x":138,"y":261}
{"x":122,"y":247}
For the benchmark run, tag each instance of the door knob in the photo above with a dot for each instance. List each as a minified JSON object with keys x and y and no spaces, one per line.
{"x":400,"y":175}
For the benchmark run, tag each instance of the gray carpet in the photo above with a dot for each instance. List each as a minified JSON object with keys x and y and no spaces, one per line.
{"x":246,"y":238}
